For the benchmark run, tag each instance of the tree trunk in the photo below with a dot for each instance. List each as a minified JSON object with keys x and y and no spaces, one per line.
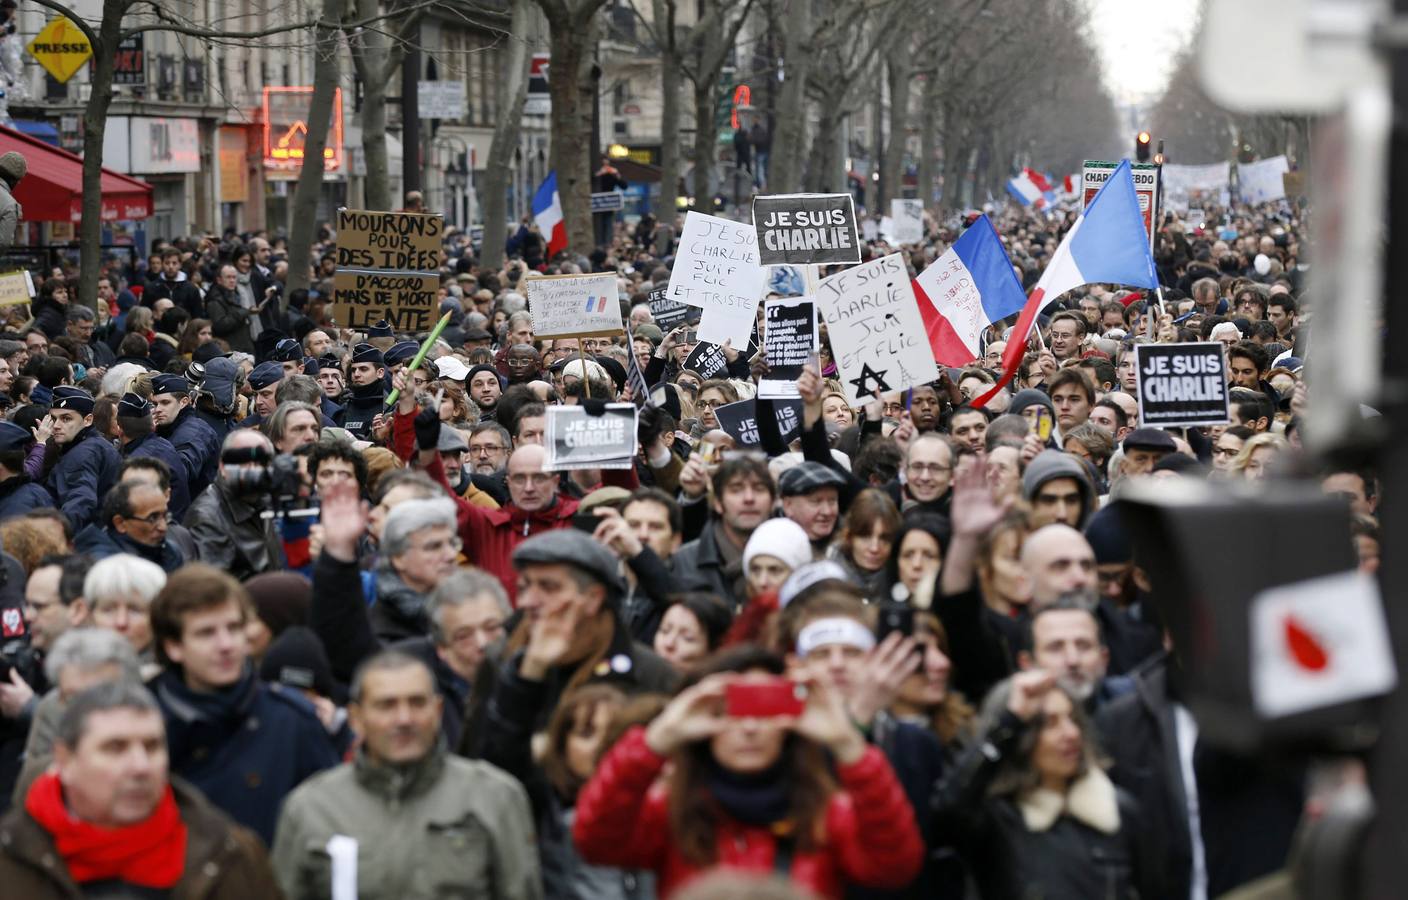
{"x":574,"y":30}
{"x":827,"y":157}
{"x":705,"y":147}
{"x":898,"y":71}
{"x":671,"y":161}
{"x":789,"y":137}
{"x":310,"y":175}
{"x":513,"y":91}
{"x":928,"y":141}
{"x":95,"y":118}
{"x":371,"y":62}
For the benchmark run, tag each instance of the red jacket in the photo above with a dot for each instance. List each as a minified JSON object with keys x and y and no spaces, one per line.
{"x":870,"y":836}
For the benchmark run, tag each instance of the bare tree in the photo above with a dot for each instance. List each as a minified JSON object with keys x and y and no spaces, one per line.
{"x":573,"y":26}
{"x":326,"y":71}
{"x":513,"y":91}
{"x":376,"y":57}
{"x":790,"y":129}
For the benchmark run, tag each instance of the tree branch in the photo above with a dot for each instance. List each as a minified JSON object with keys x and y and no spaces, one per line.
{"x":73,"y":17}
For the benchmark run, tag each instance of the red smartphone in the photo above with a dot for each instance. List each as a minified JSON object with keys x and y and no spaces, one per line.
{"x":765,"y":699}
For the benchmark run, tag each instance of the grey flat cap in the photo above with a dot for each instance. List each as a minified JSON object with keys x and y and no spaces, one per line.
{"x":573,"y":547}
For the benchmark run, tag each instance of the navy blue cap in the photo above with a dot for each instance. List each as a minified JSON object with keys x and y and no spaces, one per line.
{"x":287,"y":350}
{"x":167,"y":383}
{"x":366,"y":353}
{"x":76,"y":399}
{"x":311,"y":366}
{"x":14,"y":437}
{"x":402,"y":351}
{"x":381,"y":328}
{"x":40,"y":395}
{"x":265,"y":374}
{"x":133,"y":406}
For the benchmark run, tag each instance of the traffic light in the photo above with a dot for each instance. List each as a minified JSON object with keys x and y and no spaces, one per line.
{"x":1141,"y":146}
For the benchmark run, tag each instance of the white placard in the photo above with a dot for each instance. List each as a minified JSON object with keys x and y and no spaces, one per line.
{"x":1319,"y":642}
{"x":1260,"y":181}
{"x":719,"y":325}
{"x":574,"y":305}
{"x":441,"y":100}
{"x":877,"y":335}
{"x":717,"y":267}
{"x":907,"y":218}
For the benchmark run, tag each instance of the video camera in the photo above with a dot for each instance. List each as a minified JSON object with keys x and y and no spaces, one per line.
{"x":277,"y":482}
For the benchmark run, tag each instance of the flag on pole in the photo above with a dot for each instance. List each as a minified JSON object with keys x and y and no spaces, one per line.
{"x":547,"y":212}
{"x":964,"y":291}
{"x":634,"y":376}
{"x":1108,"y":244}
{"x":1030,"y":188}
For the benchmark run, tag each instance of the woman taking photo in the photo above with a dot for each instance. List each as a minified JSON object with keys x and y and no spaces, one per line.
{"x":1031,"y":811}
{"x":753,"y":792}
{"x":867,"y":540}
{"x":925,"y":697}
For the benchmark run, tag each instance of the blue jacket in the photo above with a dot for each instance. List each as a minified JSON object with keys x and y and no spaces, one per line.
{"x":86,"y":471}
{"x":101,"y":541}
{"x":20,"y":494}
{"x":198,"y":447}
{"x":246,"y":746}
{"x":154,"y":446}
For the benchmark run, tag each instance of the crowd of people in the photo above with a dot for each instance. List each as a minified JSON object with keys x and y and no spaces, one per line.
{"x":269,"y":634}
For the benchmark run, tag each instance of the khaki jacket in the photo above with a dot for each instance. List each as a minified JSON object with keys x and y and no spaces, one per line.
{"x":446,"y":827}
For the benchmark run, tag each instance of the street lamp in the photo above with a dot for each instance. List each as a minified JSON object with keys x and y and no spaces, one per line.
{"x":618,"y":151}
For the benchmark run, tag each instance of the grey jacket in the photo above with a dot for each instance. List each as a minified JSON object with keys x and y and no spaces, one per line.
{"x":445,"y":827}
{"x":10,"y":215}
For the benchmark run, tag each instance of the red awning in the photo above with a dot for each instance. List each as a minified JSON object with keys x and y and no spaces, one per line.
{"x":52,"y":191}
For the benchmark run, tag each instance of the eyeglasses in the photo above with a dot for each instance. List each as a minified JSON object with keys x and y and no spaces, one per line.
{"x":150,"y":519}
{"x":453,"y":543}
{"x":486,"y":449}
{"x":708,"y":404}
{"x":1224,"y":451}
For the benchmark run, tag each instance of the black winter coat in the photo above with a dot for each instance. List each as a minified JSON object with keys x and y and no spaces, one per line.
{"x":86,"y":470}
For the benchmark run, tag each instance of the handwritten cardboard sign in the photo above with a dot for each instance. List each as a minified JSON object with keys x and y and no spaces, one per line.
{"x":877,"y":336}
{"x":574,"y":305}
{"x":717,"y":266}
{"x":388,"y":267}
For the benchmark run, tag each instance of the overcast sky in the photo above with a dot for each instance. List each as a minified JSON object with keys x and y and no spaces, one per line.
{"x":1137,"y":39}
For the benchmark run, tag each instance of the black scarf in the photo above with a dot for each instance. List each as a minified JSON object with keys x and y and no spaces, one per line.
{"x":758,"y":798}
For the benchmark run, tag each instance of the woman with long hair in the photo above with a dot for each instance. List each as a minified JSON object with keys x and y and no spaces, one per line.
{"x":692,"y":626}
{"x":866,"y":541}
{"x":801,"y":795}
{"x":925,"y":696}
{"x":999,"y":564}
{"x":197,"y":332}
{"x":714,"y":393}
{"x":1257,"y":454}
{"x":1030,"y":808}
{"x":917,"y":555}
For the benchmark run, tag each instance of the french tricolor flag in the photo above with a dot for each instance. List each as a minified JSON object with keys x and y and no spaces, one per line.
{"x":964,"y":291}
{"x":1030,"y":188}
{"x":1106,"y":245}
{"x":547,"y":212}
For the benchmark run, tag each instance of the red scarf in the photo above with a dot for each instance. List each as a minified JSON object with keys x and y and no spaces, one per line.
{"x":151,"y":853}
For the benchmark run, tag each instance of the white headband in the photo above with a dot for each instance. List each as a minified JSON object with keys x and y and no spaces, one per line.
{"x":834,"y":631}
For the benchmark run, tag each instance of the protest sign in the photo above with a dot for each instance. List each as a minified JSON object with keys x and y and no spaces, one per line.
{"x":877,"y":335}
{"x":667,"y":313}
{"x":807,"y":229}
{"x":717,"y":270}
{"x":1181,"y":384}
{"x":1193,"y":186}
{"x":740,"y":421}
{"x":707,"y":359}
{"x":574,"y":305}
{"x":16,"y":288}
{"x":907,"y":220}
{"x":789,"y":338}
{"x":1094,"y":174}
{"x":1261,"y":181}
{"x":869,"y":229}
{"x":576,"y":439}
{"x":388,"y":267}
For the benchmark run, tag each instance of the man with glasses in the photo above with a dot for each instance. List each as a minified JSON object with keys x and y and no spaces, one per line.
{"x":1068,"y":330}
{"x":133,"y":521}
{"x":523,"y":363}
{"x":928,"y":472}
{"x":488,"y":448}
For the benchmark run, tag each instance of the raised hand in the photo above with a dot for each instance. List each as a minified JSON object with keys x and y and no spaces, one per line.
{"x":880,"y":675}
{"x":1029,"y":691}
{"x":826,"y":721}
{"x":344,"y":521}
{"x":974,"y":511}
{"x":695,"y":714}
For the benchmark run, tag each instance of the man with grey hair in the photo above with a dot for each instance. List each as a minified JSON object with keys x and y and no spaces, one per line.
{"x":406,"y":818}
{"x":111,"y":777}
{"x":518,"y":330}
{"x":79,"y":322}
{"x":419,"y":548}
{"x":82,"y":658}
{"x":225,"y":521}
{"x":294,"y":424}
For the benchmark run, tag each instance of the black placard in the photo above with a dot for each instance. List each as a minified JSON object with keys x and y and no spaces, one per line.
{"x":806,"y":229}
{"x":790,"y":338}
{"x":666,"y":312}
{"x":576,"y":439}
{"x":1181,"y":384}
{"x":707,"y":359}
{"x":740,"y":420}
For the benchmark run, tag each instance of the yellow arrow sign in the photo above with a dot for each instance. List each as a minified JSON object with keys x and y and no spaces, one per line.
{"x":61,"y":48}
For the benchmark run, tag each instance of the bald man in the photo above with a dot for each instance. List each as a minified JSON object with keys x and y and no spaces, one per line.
{"x":1056,"y":559}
